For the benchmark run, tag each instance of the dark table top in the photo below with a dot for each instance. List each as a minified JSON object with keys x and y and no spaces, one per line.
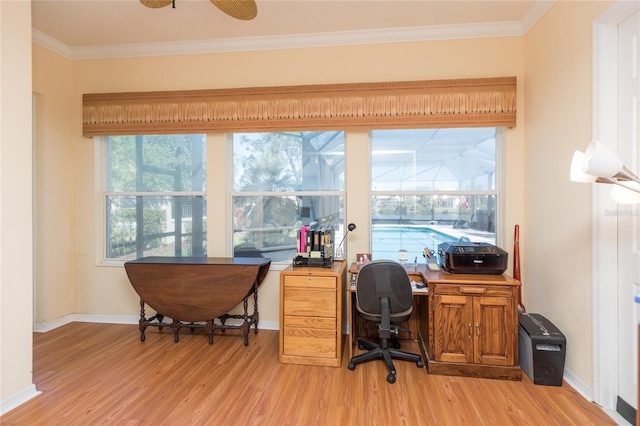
{"x":199,"y":260}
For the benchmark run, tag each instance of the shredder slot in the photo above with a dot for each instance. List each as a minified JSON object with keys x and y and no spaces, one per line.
{"x":548,"y":348}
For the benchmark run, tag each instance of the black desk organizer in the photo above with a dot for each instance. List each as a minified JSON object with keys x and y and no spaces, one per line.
{"x":319,"y":262}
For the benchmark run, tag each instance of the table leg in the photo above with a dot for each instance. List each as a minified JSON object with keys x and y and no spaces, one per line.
{"x":256,"y":315}
{"x":245,"y":321}
{"x":175,"y":325}
{"x":209,"y":329}
{"x":142,"y":322}
{"x":160,"y":317}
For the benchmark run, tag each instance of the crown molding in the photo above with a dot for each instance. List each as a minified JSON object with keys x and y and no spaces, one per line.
{"x":300,"y":41}
{"x":533,"y":15}
{"x":44,"y":40}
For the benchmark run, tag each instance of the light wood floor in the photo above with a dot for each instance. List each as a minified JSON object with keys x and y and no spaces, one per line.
{"x":101,"y":374}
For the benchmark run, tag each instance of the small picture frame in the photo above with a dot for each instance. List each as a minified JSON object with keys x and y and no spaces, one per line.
{"x":363,"y":258}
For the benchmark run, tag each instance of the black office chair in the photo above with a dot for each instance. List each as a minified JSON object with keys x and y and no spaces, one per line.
{"x":384,"y":295}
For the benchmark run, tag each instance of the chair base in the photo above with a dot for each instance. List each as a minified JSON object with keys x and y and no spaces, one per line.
{"x":377,"y":351}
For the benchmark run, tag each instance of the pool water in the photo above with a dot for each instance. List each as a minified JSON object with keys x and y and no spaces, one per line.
{"x":387,"y":240}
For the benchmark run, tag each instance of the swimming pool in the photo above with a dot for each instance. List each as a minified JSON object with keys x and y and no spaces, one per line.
{"x":387,"y":240}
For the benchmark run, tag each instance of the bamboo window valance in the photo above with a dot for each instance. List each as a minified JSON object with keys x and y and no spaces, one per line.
{"x":478,"y":102}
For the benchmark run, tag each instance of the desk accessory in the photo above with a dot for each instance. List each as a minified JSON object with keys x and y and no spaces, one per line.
{"x":315,"y":247}
{"x":313,"y":259}
{"x":340,"y":248}
{"x":403,"y":256}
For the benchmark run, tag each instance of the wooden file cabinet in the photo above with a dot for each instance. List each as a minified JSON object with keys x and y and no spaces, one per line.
{"x":472,"y":327}
{"x":311,"y":315}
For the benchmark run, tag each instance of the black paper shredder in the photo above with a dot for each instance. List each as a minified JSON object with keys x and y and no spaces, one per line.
{"x":542,"y":349}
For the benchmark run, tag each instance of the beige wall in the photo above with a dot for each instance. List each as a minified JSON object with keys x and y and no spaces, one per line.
{"x":557,"y":236}
{"x":16,"y":243}
{"x":106,"y":290}
{"x":53,"y":187}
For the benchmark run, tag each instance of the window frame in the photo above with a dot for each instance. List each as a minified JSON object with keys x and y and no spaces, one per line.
{"x":219,"y":191}
{"x":497,"y":192}
{"x":101,"y":146}
{"x":275,"y":265}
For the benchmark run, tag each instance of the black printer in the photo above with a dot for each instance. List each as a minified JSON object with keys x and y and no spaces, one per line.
{"x":462,"y":257}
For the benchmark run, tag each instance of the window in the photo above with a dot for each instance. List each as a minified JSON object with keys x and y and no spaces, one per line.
{"x":430,"y":186}
{"x":155,"y":193}
{"x":282,"y":181}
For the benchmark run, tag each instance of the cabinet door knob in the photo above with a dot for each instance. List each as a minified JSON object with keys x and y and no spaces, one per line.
{"x":470,"y":330}
{"x":477,"y":329}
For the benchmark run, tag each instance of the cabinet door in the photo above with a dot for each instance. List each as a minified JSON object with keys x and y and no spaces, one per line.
{"x":494,"y":330}
{"x":453,"y":318}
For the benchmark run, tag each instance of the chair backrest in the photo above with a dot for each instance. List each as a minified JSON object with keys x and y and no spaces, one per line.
{"x":383,"y":278}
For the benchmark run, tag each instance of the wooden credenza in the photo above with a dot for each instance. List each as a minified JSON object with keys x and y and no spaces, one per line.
{"x":469,"y":327}
{"x":311,"y":315}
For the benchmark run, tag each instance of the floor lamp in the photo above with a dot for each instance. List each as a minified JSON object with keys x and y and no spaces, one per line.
{"x":600,"y":164}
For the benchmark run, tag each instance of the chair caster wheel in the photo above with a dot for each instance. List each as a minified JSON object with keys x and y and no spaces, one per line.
{"x":396,"y":345}
{"x":360,"y":346}
{"x":419,"y":364}
{"x":391,"y":378}
{"x":351,"y":366}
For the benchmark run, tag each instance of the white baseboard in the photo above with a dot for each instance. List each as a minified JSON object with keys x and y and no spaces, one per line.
{"x":19,"y":398}
{"x":586,"y":391}
{"x":581,"y":387}
{"x":116,"y":319}
{"x":43,"y":327}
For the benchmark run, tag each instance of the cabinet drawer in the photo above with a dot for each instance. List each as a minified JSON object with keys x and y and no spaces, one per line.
{"x":309,"y":342}
{"x":310,"y":322}
{"x":308,"y":281}
{"x":473,"y":290}
{"x":310,"y":302}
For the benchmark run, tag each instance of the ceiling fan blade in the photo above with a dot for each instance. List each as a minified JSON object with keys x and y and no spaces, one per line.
{"x":154,"y":4}
{"x":240,"y":9}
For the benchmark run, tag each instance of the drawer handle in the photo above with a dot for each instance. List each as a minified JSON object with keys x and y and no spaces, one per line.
{"x":473,"y":290}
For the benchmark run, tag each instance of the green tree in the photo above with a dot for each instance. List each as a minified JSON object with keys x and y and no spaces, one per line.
{"x":275,"y":163}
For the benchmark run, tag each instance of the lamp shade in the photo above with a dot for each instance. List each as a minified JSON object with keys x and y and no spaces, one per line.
{"x":576,"y":174}
{"x":627,"y":194}
{"x":601,"y":161}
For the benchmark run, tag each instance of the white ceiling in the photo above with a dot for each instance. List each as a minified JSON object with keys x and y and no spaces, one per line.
{"x":83,"y":29}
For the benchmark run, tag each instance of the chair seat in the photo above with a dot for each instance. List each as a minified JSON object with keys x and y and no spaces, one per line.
{"x":394,"y":318}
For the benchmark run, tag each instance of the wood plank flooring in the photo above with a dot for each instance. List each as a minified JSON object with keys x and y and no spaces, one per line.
{"x":102,"y":374}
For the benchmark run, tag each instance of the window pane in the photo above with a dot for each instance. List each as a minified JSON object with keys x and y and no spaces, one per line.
{"x":413,"y":223}
{"x":156,"y":163}
{"x":433,"y":159}
{"x":288,"y":161}
{"x":267,"y":225}
{"x":155,"y":226}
